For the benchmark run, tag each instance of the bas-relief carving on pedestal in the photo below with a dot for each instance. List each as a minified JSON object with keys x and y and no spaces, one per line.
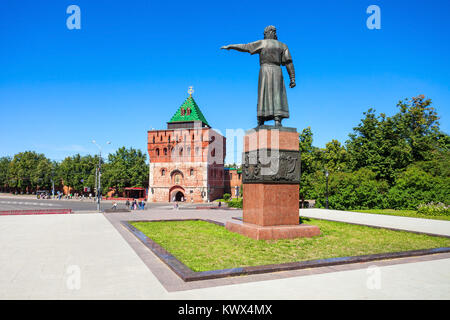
{"x":271,"y":166}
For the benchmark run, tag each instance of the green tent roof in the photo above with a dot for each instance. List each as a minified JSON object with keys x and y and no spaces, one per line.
{"x":182,"y":113}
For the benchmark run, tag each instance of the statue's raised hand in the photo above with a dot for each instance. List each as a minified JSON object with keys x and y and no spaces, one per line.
{"x":225,"y":47}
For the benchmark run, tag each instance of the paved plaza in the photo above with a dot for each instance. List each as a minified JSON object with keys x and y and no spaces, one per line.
{"x":29,"y":202}
{"x":90,"y":255}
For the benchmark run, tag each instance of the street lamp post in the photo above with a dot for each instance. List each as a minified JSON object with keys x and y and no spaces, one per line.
{"x":99,"y":174}
{"x":53,"y":181}
{"x":95,"y":183}
{"x":99,"y":188}
{"x":326,"y":175}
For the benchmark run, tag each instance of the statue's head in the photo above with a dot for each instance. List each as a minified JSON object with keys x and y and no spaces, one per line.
{"x":270,"y":32}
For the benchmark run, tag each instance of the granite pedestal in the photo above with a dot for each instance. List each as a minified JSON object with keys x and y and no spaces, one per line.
{"x":271,"y":176}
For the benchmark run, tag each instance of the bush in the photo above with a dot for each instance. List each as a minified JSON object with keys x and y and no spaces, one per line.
{"x":351,"y":190}
{"x":415,"y":186}
{"x":235,"y":203}
{"x":226,"y":196}
{"x":434,"y":209}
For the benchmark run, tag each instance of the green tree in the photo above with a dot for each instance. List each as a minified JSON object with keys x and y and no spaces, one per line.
{"x":311,"y":157}
{"x":126,"y":168}
{"x":377,"y":144}
{"x":315,"y":161}
{"x":352,"y":190}
{"x":415,"y":186}
{"x":438,"y":163}
{"x":29,"y":171}
{"x":387,"y":145}
{"x":42,"y":176}
{"x":335,"y":157}
{"x":4,"y":169}
{"x":78,"y":171}
{"x":309,"y":162}
{"x":418,"y":124}
{"x":398,"y":161}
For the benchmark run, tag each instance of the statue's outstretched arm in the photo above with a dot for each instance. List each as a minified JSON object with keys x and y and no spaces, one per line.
{"x":291,"y":72}
{"x":238,"y":47}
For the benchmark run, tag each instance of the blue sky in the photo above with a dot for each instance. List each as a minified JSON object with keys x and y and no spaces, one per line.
{"x":129,"y":67}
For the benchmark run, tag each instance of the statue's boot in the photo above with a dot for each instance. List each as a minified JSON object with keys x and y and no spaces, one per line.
{"x":278,"y":122}
{"x":260,"y":121}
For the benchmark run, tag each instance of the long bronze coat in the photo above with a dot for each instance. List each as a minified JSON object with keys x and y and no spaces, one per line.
{"x":272,"y":99}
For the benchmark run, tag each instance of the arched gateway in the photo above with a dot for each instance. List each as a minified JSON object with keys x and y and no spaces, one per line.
{"x":179,"y":196}
{"x":177,"y":193}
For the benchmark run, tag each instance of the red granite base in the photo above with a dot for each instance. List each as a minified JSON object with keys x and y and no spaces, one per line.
{"x":270,"y":204}
{"x":272,"y":232}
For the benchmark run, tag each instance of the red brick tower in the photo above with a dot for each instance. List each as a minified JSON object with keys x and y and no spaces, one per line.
{"x":186,"y":159}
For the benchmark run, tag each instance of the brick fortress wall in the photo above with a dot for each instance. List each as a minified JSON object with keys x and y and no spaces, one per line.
{"x":233,"y":179}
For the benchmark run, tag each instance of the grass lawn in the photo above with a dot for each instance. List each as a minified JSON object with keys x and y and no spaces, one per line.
{"x":205,"y":246}
{"x":403,"y":213}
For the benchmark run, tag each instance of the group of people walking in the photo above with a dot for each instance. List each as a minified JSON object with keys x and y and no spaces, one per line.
{"x":135,"y":205}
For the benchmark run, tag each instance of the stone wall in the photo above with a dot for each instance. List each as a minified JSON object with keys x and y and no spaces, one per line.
{"x":232,"y":179}
{"x":191,"y":177}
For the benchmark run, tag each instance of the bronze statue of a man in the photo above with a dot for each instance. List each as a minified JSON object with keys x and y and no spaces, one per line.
{"x":272,"y":99}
